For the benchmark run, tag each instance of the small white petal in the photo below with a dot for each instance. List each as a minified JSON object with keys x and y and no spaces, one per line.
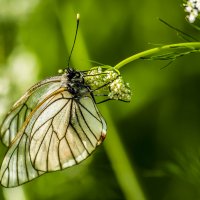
{"x":188,"y":9}
{"x":191,"y":18}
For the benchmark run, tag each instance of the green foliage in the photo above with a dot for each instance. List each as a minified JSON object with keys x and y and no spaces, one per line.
{"x":138,"y":159}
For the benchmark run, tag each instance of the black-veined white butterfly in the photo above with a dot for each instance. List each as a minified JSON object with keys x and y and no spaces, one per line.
{"x":55,"y":125}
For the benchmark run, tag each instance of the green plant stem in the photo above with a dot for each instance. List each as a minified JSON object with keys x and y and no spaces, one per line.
{"x":124,"y":170}
{"x":188,"y":45}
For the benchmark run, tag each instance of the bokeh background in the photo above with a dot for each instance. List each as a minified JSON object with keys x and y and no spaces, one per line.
{"x":152,"y":149}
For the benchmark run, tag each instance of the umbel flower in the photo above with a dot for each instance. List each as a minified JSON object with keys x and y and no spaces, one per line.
{"x":192,"y":7}
{"x":108,"y":82}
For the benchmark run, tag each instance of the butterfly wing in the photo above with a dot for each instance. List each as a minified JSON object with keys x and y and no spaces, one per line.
{"x":17,"y":168}
{"x":59,"y":133}
{"x":22,"y":108}
{"x":66,"y":136}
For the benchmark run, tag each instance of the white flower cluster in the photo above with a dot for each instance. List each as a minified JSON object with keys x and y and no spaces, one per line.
{"x":108,"y":82}
{"x":193,"y":8}
{"x":120,"y":90}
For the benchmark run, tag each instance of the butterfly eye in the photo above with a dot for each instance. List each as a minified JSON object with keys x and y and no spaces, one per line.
{"x":78,"y":75}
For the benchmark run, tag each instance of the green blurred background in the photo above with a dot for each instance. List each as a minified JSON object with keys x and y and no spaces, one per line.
{"x":152,"y":147}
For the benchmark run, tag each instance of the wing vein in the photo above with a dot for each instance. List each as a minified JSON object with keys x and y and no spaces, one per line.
{"x":41,"y":143}
{"x":47,"y":161}
{"x":78,"y":102}
{"x":82,"y":127}
{"x":67,"y":131}
{"x":87,"y":123}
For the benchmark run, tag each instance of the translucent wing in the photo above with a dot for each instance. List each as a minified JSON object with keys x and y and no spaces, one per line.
{"x":61,"y":132}
{"x":17,"y":168}
{"x":67,"y":135}
{"x":22,"y":108}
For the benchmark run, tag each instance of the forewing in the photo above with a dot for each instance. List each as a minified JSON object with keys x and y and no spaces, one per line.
{"x":22,"y":108}
{"x":65,"y":132}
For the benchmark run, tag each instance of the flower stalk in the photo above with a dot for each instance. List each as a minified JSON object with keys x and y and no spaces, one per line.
{"x":188,"y":46}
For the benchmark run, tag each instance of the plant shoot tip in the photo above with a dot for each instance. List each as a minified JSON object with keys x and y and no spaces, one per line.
{"x":77,"y":16}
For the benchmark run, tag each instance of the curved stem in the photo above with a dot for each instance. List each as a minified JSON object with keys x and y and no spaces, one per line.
{"x":120,"y":161}
{"x":189,"y":45}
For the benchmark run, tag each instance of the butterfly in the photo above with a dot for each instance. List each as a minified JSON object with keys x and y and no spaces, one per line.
{"x":54,"y":125}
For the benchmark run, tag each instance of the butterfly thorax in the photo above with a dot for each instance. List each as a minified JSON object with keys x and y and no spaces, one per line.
{"x":75,"y":84}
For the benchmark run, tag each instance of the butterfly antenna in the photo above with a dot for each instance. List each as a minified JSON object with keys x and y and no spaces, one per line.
{"x":77,"y":25}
